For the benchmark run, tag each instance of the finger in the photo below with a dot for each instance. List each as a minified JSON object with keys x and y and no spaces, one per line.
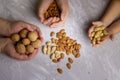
{"x":41,"y":16}
{"x":90,"y":31}
{"x":18,"y":56}
{"x":97,"y":23}
{"x":21,"y":25}
{"x":40,"y":34}
{"x":60,"y":23}
{"x":57,"y":19}
{"x":54,"y":19}
{"x":33,"y":54}
{"x":48,"y":21}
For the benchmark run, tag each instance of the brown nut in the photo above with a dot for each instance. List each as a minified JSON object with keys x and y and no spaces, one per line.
{"x":36,"y":44}
{"x":62,"y":31}
{"x":55,"y":61}
{"x":23,"y":33}
{"x":77,"y":55}
{"x":20,"y":48}
{"x":52,"y":34}
{"x":60,"y":70}
{"x":15,"y":37}
{"x":29,"y":48}
{"x":32,"y":36}
{"x":62,"y":55}
{"x":70,"y":60}
{"x":26,"y":41}
{"x":68,"y":65}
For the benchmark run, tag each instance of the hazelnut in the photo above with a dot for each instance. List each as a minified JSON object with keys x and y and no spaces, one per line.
{"x":29,"y":48}
{"x":15,"y":37}
{"x":20,"y":48}
{"x":36,"y":44}
{"x":32,"y":36}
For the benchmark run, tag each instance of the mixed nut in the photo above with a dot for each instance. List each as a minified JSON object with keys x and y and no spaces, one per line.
{"x":61,"y":46}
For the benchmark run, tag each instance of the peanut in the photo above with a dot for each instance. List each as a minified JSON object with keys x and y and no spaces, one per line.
{"x":55,"y":61}
{"x":62,"y":55}
{"x":52,"y":34}
{"x":68,"y":65}
{"x":45,"y":49}
{"x":52,"y":56}
{"x":48,"y":50}
{"x":60,"y":70}
{"x":97,"y":34}
{"x":57,"y":55}
{"x":77,"y":55}
{"x":53,"y":49}
{"x":70,"y":60}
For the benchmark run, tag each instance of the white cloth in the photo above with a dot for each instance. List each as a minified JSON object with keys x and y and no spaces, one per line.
{"x":101,"y":63}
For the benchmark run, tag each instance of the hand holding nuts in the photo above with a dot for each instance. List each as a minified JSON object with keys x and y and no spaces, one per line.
{"x":52,"y":11}
{"x":98,"y":33}
{"x":26,"y":41}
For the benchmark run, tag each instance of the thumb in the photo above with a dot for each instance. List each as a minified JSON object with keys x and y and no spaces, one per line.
{"x":41,"y":16}
{"x":62,"y":16}
{"x":97,"y":23}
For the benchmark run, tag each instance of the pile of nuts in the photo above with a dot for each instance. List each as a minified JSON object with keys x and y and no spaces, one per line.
{"x":98,"y":33}
{"x":52,"y":11}
{"x":26,"y":41}
{"x":61,"y":46}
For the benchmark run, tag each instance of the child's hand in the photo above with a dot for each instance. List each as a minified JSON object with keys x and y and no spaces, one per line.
{"x":104,"y":39}
{"x":94,"y":24}
{"x":53,"y":21}
{"x":9,"y":48}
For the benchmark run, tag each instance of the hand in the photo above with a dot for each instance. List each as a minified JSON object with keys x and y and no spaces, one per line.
{"x":17,"y":26}
{"x":42,"y":7}
{"x":94,"y":24}
{"x":104,"y":39}
{"x":8,"y":47}
{"x":54,"y":21}
{"x":64,"y":7}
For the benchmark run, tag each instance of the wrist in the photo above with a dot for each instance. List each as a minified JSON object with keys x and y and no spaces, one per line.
{"x":4,"y":27}
{"x":3,"y":44}
{"x":110,"y":31}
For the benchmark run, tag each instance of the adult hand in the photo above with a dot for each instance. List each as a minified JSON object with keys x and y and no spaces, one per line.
{"x":53,"y":21}
{"x":9,"y":48}
{"x":42,"y":8}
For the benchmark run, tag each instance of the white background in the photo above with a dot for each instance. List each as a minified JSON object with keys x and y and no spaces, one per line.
{"x":101,"y":63}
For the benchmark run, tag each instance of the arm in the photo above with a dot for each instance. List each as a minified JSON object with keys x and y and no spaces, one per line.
{"x":4,"y":26}
{"x":114,"y":28}
{"x":3,"y":42}
{"x":112,"y":12}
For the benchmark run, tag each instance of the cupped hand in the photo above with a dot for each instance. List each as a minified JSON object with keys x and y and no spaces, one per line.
{"x":9,"y":49}
{"x":91,"y":29}
{"x":64,"y":7}
{"x":17,"y":26}
{"x":106,"y":38}
{"x":42,"y":8}
{"x":54,"y":21}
